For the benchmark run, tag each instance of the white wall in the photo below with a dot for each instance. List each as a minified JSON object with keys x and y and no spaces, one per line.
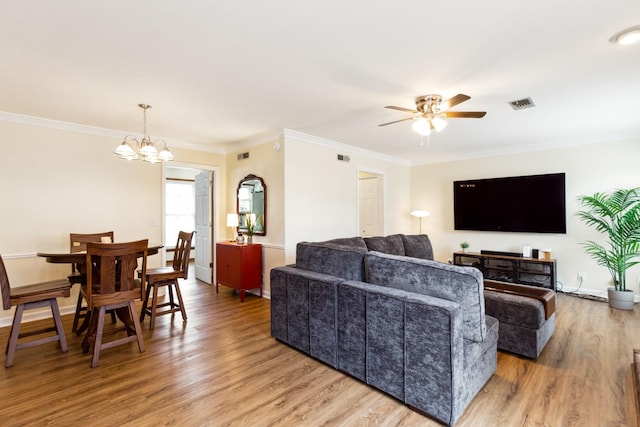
{"x":321,"y":193}
{"x":588,"y":168}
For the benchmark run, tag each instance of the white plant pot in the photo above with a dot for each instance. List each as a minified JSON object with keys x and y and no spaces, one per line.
{"x":622,"y":300}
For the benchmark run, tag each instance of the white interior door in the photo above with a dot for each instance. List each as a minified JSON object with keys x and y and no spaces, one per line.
{"x":204,"y":266}
{"x":370,"y":206}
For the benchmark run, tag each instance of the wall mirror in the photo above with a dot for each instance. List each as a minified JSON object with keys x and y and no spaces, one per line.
{"x":252,"y":204}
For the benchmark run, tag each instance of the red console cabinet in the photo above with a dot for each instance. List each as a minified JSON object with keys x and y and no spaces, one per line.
{"x":239,"y":266}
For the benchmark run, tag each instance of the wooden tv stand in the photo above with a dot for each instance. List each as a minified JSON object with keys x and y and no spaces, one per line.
{"x":525,"y":271}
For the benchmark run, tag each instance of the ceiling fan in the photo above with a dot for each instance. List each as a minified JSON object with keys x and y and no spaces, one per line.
{"x":431,"y":111}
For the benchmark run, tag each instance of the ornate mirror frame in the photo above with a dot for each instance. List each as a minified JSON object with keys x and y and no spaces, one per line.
{"x":251,"y":198}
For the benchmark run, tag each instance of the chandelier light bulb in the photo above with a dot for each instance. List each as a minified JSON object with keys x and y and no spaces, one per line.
{"x":124,"y":149}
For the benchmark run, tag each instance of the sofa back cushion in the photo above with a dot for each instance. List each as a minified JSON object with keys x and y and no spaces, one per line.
{"x":354,"y":242}
{"x":387,"y":245}
{"x":346,"y":262}
{"x":462,"y":285}
{"x":417,"y":246}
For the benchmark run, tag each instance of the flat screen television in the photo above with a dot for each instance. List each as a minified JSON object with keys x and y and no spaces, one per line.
{"x":528,"y":204}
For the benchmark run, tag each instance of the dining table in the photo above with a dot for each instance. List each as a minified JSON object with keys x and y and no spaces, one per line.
{"x":80,"y":259}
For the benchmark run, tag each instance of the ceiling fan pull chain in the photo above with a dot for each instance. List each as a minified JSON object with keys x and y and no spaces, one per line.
{"x":422,"y":141}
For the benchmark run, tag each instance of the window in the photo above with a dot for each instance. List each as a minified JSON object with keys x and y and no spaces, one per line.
{"x":180,"y":209}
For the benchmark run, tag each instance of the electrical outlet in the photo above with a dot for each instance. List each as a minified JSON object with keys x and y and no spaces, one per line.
{"x":582,"y":277}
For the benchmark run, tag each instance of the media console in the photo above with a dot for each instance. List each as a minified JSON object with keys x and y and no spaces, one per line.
{"x":514,"y":269}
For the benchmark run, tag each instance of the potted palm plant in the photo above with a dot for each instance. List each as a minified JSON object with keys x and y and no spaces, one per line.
{"x":616,"y":214}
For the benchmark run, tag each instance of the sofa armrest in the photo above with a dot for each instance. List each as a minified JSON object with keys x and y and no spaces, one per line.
{"x":303,"y":311}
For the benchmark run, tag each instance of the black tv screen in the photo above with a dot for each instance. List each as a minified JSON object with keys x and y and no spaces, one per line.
{"x":529,"y":204}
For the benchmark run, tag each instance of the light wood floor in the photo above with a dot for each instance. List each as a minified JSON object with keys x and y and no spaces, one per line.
{"x":223,"y":368}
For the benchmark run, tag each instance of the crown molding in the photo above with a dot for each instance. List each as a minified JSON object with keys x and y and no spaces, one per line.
{"x":92,"y":130}
{"x":288,"y":133}
{"x":258,"y":139}
{"x":219,"y":149}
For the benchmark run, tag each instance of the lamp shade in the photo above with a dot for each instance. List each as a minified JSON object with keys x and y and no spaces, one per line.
{"x":420,"y":214}
{"x":232,"y":220}
{"x":438,"y":124}
{"x":422,"y":126}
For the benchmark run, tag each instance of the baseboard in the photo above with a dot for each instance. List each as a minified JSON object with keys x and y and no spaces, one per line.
{"x":591,"y":293}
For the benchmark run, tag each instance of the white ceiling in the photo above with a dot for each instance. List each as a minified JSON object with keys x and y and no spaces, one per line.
{"x":222,"y":71}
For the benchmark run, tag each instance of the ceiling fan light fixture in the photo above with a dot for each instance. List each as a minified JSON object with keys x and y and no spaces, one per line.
{"x":438,"y":123}
{"x":429,"y":113}
{"x":628,"y":36}
{"x":422,"y":126}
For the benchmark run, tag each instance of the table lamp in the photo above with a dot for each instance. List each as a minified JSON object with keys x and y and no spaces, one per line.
{"x":232,"y":221}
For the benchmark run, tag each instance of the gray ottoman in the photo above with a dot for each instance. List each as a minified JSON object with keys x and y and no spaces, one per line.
{"x":526,"y":314}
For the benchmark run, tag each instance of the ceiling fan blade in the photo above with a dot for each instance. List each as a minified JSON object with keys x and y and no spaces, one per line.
{"x":451,"y":102}
{"x":400,"y":109}
{"x":464,"y":114}
{"x":397,"y":121}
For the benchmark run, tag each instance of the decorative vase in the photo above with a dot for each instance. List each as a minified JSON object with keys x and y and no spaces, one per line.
{"x":622,"y":300}
{"x":249,"y":239}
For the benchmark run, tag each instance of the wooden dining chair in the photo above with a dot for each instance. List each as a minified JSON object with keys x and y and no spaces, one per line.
{"x":168,"y":276}
{"x":28,"y":297}
{"x":112,"y":285}
{"x":78,"y":243}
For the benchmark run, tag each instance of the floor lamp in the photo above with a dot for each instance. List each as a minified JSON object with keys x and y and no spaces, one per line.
{"x":420,"y":215}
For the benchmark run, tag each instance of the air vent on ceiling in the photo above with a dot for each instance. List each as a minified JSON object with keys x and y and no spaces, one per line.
{"x":243,"y":156}
{"x":521,"y":104}
{"x":343,"y":158}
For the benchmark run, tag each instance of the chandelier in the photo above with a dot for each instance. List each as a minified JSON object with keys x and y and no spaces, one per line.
{"x":132,"y":149}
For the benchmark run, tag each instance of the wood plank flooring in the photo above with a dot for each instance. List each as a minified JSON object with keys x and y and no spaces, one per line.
{"x":222,"y":368}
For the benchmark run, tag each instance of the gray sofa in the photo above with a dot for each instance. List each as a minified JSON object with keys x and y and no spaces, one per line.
{"x":399,"y":321}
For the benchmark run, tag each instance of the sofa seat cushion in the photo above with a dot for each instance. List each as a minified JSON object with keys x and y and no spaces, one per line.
{"x":513,"y":309}
{"x":387,"y":245}
{"x":462,"y":285}
{"x":346,"y":262}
